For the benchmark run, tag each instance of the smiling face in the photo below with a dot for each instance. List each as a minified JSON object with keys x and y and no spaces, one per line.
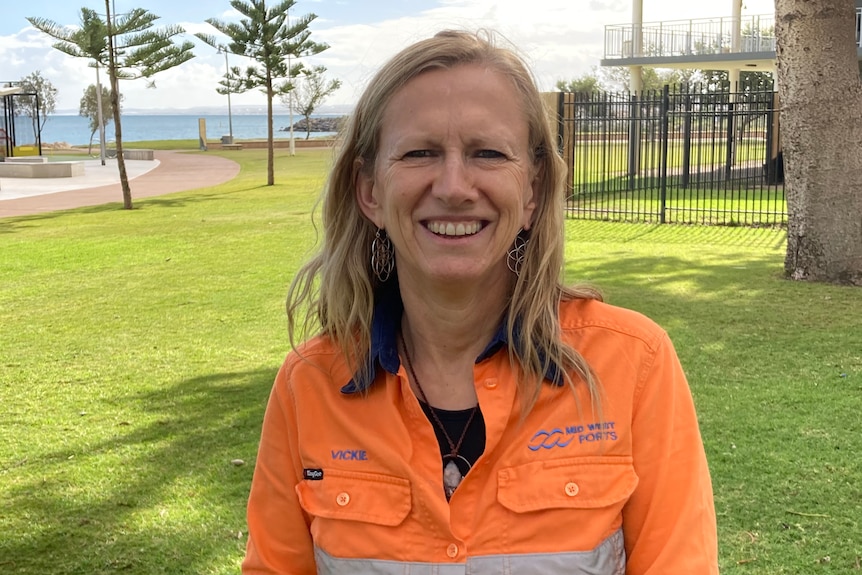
{"x":453,"y":181}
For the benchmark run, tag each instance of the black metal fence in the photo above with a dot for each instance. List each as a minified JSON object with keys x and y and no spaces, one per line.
{"x":681,"y":156}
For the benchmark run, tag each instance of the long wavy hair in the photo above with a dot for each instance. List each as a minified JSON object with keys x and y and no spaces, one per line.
{"x":334,"y":293}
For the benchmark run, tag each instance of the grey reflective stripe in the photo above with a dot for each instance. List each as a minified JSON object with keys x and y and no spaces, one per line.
{"x":609,"y":558}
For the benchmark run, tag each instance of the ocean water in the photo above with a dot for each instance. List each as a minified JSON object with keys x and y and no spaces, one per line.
{"x":74,"y":129}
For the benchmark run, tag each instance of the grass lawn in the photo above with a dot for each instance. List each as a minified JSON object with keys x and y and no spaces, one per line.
{"x":706,"y":205}
{"x":137,"y":351}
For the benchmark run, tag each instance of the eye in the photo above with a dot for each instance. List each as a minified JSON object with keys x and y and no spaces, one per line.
{"x":419,"y":154}
{"x":490,"y":154}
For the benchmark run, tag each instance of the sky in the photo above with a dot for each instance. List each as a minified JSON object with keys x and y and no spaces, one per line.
{"x":560,"y":39}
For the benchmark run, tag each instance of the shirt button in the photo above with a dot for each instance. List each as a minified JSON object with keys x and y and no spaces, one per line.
{"x":452,"y":551}
{"x":491,"y":384}
{"x":572,"y":489}
{"x":342,"y":499}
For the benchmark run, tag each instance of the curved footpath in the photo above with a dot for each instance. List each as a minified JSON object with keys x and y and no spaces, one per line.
{"x":175,"y":172}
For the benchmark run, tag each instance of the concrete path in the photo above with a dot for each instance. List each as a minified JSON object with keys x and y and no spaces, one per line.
{"x":169,"y":172}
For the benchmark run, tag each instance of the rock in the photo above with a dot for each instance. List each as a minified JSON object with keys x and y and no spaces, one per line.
{"x":327,"y":124}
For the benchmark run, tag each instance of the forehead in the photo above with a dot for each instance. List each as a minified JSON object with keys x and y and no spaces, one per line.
{"x":467,"y":95}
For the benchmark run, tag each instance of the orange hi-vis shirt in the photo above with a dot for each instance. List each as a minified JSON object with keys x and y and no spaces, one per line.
{"x":352,"y":482}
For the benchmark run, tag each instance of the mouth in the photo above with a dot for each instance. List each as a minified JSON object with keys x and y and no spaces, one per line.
{"x":454,"y":229}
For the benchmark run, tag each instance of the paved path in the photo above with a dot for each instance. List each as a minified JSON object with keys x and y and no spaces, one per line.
{"x":170,"y":172}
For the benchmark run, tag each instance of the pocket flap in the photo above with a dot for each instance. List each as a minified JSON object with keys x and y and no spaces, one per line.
{"x":356,"y":496}
{"x":574,"y":483}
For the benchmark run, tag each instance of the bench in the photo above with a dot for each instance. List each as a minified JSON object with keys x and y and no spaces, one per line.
{"x":231,"y":146}
{"x":41,"y":169}
{"x":138,"y":154}
{"x":27,"y":160}
{"x":131,"y":154}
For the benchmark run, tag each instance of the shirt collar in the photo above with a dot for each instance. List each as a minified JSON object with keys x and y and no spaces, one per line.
{"x":383,"y":351}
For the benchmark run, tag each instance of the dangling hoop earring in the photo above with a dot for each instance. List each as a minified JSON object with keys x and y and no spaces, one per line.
{"x":517,"y":253}
{"x":382,"y":256}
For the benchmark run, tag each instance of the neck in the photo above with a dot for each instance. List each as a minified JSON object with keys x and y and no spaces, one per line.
{"x":445,"y":331}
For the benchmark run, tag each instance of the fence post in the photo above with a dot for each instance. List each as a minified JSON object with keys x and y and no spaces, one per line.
{"x":665,"y":136}
{"x":728,"y":161}
{"x":634,"y":140}
{"x":774,"y":157}
{"x":686,"y":143}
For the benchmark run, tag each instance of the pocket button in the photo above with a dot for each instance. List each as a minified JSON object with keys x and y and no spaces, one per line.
{"x":572,"y":489}
{"x":452,"y":551}
{"x":342,"y":499}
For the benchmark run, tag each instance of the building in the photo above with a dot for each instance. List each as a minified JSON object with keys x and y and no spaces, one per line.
{"x":734,"y":43}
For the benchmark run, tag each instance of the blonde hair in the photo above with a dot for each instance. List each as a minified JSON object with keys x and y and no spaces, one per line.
{"x":335,"y":291}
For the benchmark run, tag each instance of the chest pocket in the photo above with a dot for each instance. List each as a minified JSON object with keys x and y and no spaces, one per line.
{"x":587,"y":483}
{"x":356,"y":496}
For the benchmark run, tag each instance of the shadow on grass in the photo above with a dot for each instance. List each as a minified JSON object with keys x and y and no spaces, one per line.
{"x":675,"y":288}
{"x":10,"y":224}
{"x":161,"y":496}
{"x":676,"y":234}
{"x":190,"y":198}
{"x":172,"y":200}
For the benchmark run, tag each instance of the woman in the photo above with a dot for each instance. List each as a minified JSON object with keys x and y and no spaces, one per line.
{"x":460,"y":410}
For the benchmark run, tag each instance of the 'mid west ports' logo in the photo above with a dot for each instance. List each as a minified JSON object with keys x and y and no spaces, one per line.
{"x":558,"y":437}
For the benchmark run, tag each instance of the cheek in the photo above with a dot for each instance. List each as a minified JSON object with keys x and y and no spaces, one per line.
{"x":392,"y":191}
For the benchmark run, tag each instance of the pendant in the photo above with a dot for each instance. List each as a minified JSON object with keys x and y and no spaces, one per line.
{"x":452,"y":475}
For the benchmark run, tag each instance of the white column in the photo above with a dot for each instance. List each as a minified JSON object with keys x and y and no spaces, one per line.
{"x":636,"y":72}
{"x":735,"y":41}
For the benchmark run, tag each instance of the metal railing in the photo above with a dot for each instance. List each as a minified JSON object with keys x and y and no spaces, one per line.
{"x":685,"y":156}
{"x":690,"y":37}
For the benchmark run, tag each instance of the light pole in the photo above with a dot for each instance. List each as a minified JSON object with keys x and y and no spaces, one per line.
{"x":101,"y":116}
{"x":223,"y":50}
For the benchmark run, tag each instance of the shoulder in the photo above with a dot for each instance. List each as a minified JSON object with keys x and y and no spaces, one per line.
{"x":317,"y":363}
{"x":581,"y":318}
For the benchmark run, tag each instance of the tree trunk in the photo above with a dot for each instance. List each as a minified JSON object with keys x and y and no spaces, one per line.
{"x":821,"y":124}
{"x":115,"y":102}
{"x":270,"y":155}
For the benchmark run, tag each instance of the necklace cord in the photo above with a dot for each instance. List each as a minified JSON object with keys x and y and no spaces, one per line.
{"x":452,"y":445}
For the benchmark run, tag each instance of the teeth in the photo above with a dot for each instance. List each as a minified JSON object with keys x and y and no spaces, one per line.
{"x":452,"y":229}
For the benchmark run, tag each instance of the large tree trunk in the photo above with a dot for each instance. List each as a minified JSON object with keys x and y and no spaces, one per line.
{"x":821,"y":124}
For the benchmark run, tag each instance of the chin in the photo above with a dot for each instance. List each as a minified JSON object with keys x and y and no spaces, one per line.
{"x":468,"y":272}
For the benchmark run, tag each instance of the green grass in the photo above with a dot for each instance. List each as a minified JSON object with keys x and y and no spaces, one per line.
{"x":597,"y":159}
{"x":765,"y":206}
{"x":138,"y":347}
{"x":192,"y":144}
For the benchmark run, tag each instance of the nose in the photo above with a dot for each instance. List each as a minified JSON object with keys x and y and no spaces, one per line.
{"x":454,"y":183}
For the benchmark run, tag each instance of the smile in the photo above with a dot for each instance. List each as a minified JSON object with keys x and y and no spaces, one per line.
{"x":454,"y":229}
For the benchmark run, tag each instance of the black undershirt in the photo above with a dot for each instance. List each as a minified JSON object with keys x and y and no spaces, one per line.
{"x":454,"y":422}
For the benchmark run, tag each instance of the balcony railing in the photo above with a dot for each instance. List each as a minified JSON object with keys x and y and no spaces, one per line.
{"x":696,"y":37}
{"x":690,"y":37}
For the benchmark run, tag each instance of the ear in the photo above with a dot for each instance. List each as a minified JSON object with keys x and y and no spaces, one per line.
{"x":530,"y":202}
{"x":363,"y":183}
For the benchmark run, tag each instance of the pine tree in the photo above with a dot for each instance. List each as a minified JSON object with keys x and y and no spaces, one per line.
{"x":128,"y":46}
{"x":271,"y":39}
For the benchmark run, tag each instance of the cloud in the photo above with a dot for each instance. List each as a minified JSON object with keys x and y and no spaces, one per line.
{"x":554,"y":44}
